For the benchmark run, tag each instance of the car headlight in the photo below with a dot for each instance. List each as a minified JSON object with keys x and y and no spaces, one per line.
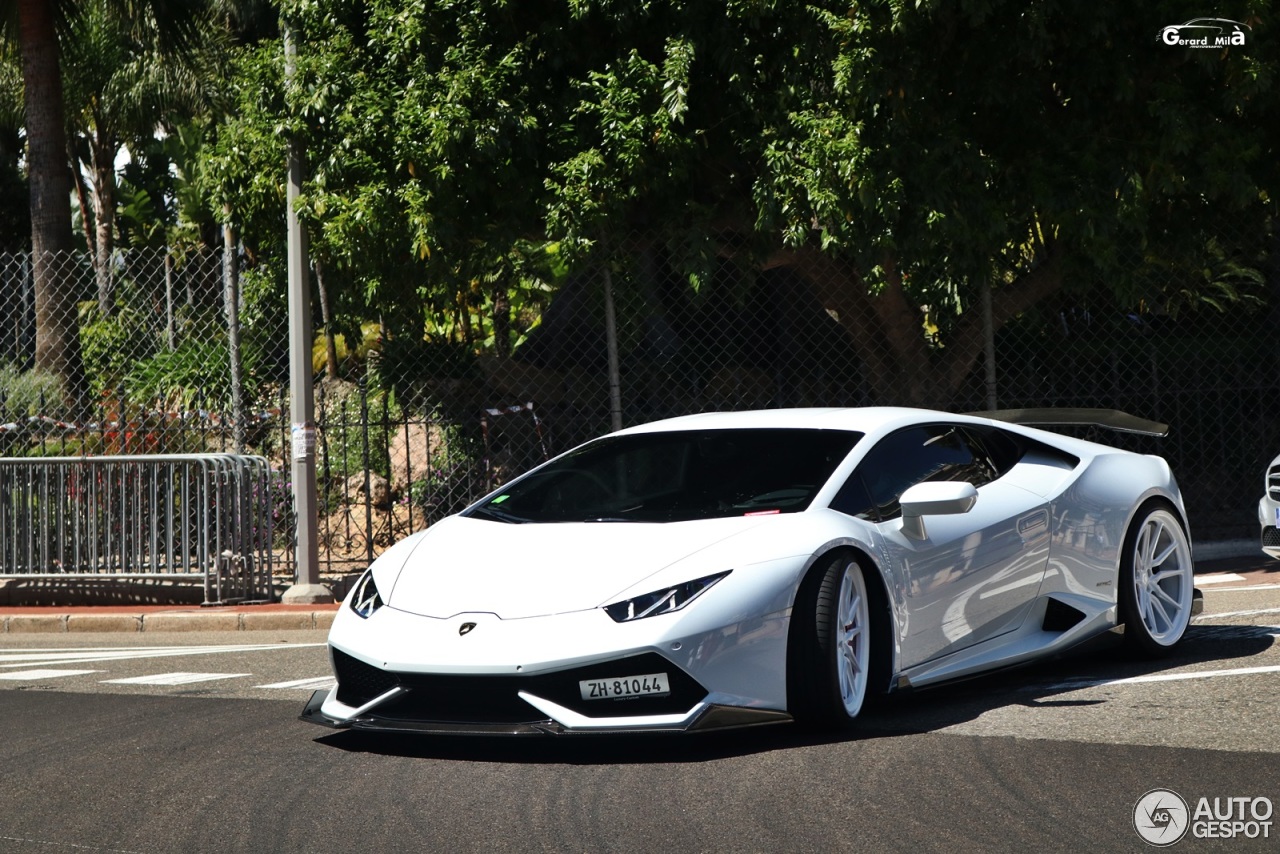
{"x":364,"y":596}
{"x":661,"y":601}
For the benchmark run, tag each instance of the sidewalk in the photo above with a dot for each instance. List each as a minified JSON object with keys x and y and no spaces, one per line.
{"x":165,"y":618}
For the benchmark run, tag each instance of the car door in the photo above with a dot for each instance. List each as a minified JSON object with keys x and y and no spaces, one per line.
{"x":973,"y":575}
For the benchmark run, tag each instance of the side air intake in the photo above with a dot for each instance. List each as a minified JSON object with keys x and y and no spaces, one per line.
{"x":1058,"y":617}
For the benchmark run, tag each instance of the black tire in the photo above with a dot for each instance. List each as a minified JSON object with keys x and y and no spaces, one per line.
{"x":829,"y":664}
{"x":1156,"y":581}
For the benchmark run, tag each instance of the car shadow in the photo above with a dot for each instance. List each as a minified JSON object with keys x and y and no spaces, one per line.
{"x":1037,"y":685}
{"x":1247,"y":564}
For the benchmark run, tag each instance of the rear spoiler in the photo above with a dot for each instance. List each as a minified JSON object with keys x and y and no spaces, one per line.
{"x":1110,"y":419}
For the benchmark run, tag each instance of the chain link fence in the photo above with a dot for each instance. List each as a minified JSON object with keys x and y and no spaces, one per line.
{"x":415,"y":427}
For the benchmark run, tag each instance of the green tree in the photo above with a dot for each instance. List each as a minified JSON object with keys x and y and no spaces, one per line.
{"x":122,"y":85}
{"x":1015,"y":146}
{"x":37,"y":26}
{"x":903,"y":157}
{"x":15,"y":216}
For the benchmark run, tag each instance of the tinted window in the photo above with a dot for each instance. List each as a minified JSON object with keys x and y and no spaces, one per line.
{"x":903,"y":459}
{"x":854,"y":499}
{"x":668,"y":477}
{"x":1002,"y":450}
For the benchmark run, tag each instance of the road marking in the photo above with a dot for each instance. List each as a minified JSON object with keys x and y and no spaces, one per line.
{"x":1076,"y":684}
{"x":43,"y":674}
{"x":1235,"y":614}
{"x":1230,"y":631}
{"x":90,"y":655}
{"x":1211,"y":588}
{"x":173,"y":678}
{"x":49,"y":844}
{"x":313,"y":683}
{"x":1218,"y":578}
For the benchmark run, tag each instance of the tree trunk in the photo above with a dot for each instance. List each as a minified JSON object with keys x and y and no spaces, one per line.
{"x":886,"y":329}
{"x":82,"y":198}
{"x":57,"y":341}
{"x":330,"y":348}
{"x":502,"y":322}
{"x":104,"y":213}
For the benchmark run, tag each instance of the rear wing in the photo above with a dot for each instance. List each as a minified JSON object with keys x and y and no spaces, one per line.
{"x":1110,"y":419}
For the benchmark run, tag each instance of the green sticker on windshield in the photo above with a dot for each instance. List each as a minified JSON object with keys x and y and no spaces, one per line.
{"x":500,"y":499}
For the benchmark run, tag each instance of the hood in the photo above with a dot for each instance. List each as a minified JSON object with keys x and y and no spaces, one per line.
{"x":465,"y":565}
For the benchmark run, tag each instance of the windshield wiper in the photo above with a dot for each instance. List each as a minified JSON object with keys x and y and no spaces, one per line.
{"x":627,"y":510}
{"x":498,"y":515}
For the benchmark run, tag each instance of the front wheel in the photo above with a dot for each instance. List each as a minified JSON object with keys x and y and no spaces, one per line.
{"x":829,"y":650}
{"x":1156,"y":582}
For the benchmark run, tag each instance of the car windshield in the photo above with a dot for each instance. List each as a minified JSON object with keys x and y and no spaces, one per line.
{"x":676,"y":476}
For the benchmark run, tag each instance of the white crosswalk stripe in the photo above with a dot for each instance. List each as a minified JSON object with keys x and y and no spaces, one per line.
{"x":1077,"y":684}
{"x":311,"y":684}
{"x":27,"y":657}
{"x":18,"y":665}
{"x":1218,"y":578}
{"x":180,"y":678}
{"x":44,"y":673}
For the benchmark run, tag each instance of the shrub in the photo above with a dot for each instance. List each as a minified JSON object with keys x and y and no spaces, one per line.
{"x":24,"y":393}
{"x":197,"y":374}
{"x":110,"y":345}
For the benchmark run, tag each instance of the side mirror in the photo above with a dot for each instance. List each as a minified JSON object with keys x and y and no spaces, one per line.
{"x":944,"y":498}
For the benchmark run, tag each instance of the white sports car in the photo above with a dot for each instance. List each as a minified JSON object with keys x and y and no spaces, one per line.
{"x":1269,"y":509}
{"x":734,"y":569}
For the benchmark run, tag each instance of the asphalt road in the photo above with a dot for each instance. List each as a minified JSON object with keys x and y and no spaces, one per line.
{"x":200,"y":750}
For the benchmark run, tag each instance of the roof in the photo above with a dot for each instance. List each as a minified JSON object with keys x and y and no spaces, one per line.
{"x":869,"y":419}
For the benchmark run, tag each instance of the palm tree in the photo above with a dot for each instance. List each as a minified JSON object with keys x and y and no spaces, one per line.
{"x":37,"y":25}
{"x":15,"y":222}
{"x":57,"y":344}
{"x":121,"y":86}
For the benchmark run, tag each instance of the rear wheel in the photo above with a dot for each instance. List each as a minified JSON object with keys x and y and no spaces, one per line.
{"x":829,"y":649}
{"x":1156,"y":581}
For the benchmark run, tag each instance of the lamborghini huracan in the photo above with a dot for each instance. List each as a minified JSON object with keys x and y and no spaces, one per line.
{"x":735,"y":569}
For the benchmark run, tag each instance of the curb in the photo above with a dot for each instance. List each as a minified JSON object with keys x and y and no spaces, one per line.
{"x":69,"y":623}
{"x":1222,"y":549}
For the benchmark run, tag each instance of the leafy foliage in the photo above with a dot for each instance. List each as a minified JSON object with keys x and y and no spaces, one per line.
{"x":110,"y":345}
{"x":193,"y":376}
{"x":25,"y":393}
{"x":903,"y":157}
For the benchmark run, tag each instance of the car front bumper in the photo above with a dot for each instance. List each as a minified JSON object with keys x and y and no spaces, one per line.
{"x":1268,"y":521}
{"x":476,"y":673}
{"x":548,"y":703}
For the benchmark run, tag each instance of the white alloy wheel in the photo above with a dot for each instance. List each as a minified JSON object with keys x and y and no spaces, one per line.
{"x":1157,"y":582}
{"x":829,"y":645}
{"x":852,"y":633}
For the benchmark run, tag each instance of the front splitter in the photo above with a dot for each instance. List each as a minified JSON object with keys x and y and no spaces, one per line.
{"x":712,"y":718}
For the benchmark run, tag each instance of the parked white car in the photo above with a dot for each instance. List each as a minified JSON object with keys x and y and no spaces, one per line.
{"x":1269,"y":510}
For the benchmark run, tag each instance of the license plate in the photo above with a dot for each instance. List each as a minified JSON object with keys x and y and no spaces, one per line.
{"x":626,"y":686}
